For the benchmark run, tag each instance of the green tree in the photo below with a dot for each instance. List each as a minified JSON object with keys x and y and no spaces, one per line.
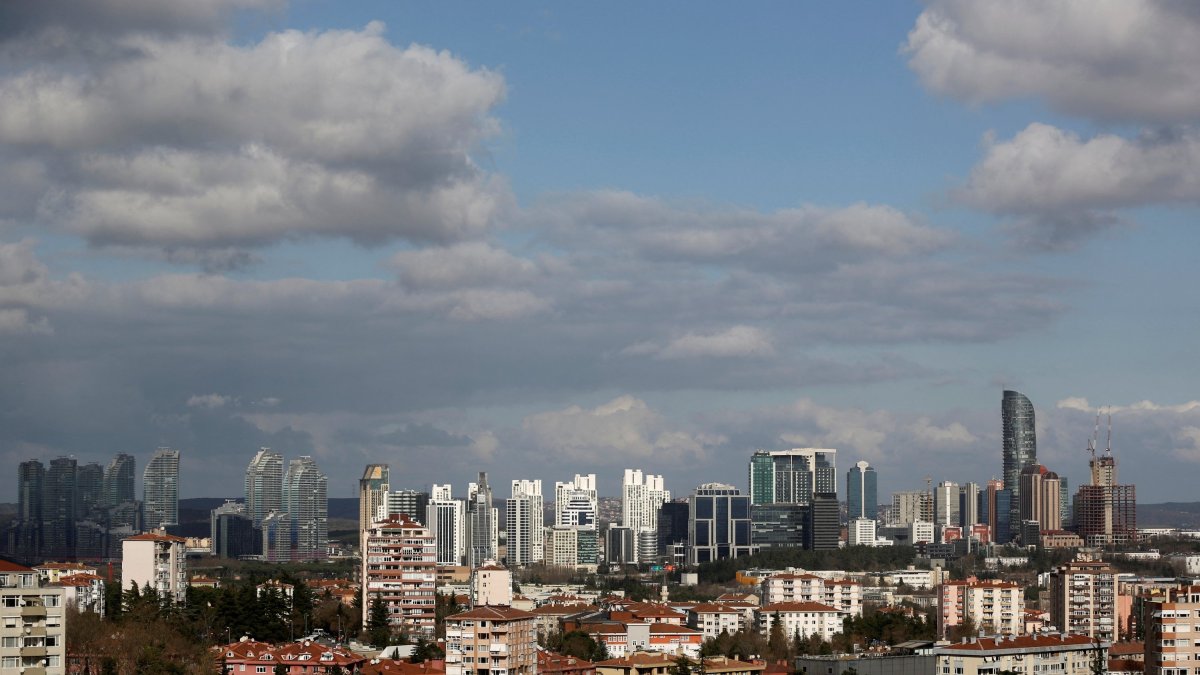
{"x":682,"y":666}
{"x":777,"y":642}
{"x":281,"y":669}
{"x":578,"y":644}
{"x":379,"y":632}
{"x":426,"y":651}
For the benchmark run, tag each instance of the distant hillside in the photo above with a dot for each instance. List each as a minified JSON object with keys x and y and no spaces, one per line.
{"x":1184,"y":515}
{"x":200,"y":508}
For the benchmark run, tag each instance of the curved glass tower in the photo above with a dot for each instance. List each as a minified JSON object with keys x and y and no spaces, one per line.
{"x":1020,"y":440}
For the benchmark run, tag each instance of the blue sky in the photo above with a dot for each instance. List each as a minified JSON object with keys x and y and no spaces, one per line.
{"x":541,"y":239}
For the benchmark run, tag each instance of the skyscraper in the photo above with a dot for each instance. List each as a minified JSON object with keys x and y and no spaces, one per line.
{"x":1020,"y":443}
{"x":160,"y":489}
{"x":1040,"y":500}
{"x":526,"y":543}
{"x":264,"y":485}
{"x":792,"y":476}
{"x":482,"y":528}
{"x":1105,"y":512}
{"x":31,"y":477}
{"x":372,"y":488}
{"x":411,"y":503}
{"x":120,"y":481}
{"x":862,"y":497}
{"x":58,"y":509}
{"x":89,"y":486}
{"x":641,"y":497}
{"x":718,"y":524}
{"x":305,"y":497}
{"x":576,"y":502}
{"x":446,"y":518}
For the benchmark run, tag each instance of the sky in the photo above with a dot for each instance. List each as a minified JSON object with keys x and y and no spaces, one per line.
{"x":540,"y":239}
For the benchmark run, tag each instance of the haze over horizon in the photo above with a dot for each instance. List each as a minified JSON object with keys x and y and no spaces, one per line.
{"x":538,"y":240}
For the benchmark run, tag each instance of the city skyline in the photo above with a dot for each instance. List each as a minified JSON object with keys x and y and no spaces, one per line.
{"x":533,"y":240}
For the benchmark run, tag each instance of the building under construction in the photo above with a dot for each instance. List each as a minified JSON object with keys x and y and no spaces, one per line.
{"x":1105,"y":512}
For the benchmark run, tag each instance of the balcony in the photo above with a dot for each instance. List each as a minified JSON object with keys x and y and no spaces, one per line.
{"x":38,"y":652}
{"x":33,"y":612}
{"x":498,"y":648}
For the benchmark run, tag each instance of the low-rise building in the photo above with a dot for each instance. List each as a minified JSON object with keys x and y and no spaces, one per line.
{"x":801,"y":618}
{"x":491,"y":641}
{"x":549,"y":663}
{"x":712,"y":619}
{"x":83,"y":591}
{"x":1023,"y":655}
{"x":299,"y":658}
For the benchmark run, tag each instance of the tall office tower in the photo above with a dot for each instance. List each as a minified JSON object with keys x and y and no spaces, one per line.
{"x":1105,"y":511}
{"x":58,"y":509}
{"x":526,"y":534}
{"x":1065,"y":510}
{"x":232,"y":532}
{"x":89,"y":486}
{"x":619,"y":545}
{"x":305,"y":497}
{"x":672,"y":527}
{"x":372,"y":490}
{"x":1040,"y":499}
{"x":968,"y":506}
{"x":1083,"y":596}
{"x":120,"y":478}
{"x":910,"y":506}
{"x":823,"y":529}
{"x":1020,"y":443}
{"x":778,"y":525}
{"x":718,"y":524}
{"x":862,"y":497}
{"x":31,"y":477}
{"x":792,"y":476}
{"x":482,"y":528}
{"x":576,"y":502}
{"x":412,"y":503}
{"x":641,"y":498}
{"x":264,"y":484}
{"x":447,"y":520}
{"x":160,"y":489}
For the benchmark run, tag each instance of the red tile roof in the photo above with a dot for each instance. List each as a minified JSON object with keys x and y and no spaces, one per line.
{"x":10,"y":566}
{"x":154,"y":536}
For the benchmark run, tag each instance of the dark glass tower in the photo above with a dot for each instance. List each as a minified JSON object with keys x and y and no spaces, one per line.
{"x":1020,"y":442}
{"x":862,"y":493}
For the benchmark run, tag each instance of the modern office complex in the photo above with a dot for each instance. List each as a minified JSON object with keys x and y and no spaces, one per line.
{"x":642,"y":495}
{"x":862,"y":492}
{"x":446,"y":518}
{"x":264,"y":484}
{"x":719,"y":524}
{"x":792,"y":476}
{"x":482,"y":528}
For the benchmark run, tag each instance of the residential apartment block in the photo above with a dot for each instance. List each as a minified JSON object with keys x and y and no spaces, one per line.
{"x":1083,"y":598}
{"x":33,"y":626}
{"x":399,"y":569}
{"x":1172,"y":631}
{"x":995,"y":607}
{"x":841,"y":594}
{"x":491,"y":641}
{"x":155,"y":560}
{"x":1023,"y":655}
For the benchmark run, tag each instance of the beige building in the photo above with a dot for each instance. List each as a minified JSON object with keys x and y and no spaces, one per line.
{"x":156,"y":560}
{"x":842,"y":594}
{"x":1083,"y":598}
{"x":713,"y":619}
{"x":1023,"y":655}
{"x":399,"y":569}
{"x":995,"y":607}
{"x":491,"y":641}
{"x":33,"y":626}
{"x":1172,"y":630}
{"x":491,"y":585}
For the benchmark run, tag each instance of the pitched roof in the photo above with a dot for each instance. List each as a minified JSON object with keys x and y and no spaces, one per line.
{"x":798,"y":607}
{"x":154,"y":536}
{"x":639,"y":659}
{"x":493,"y":613}
{"x":714,"y":608}
{"x":1038,"y":641}
{"x":10,"y":566}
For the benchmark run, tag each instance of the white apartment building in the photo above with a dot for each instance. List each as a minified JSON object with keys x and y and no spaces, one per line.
{"x":576,"y":503}
{"x":862,"y":532}
{"x":526,"y":542}
{"x":399,"y":569}
{"x":446,"y":518}
{"x":804,"y":618}
{"x":713,"y":619}
{"x":1023,"y":655}
{"x":157,"y":560}
{"x":642,"y":495}
{"x":33,"y":625}
{"x":842,"y":594}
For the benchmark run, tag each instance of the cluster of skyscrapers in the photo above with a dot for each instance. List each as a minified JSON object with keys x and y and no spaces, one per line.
{"x":284,"y":517}
{"x":70,"y":511}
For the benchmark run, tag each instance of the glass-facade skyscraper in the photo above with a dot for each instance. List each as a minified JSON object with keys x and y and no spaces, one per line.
{"x":160,"y":490}
{"x":264,"y":485}
{"x":718,"y":524}
{"x":792,"y":476}
{"x":1020,"y":442}
{"x":862,"y":492}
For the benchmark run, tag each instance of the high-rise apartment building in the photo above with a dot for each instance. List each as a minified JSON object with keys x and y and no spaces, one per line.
{"x":33,"y":632}
{"x":372,"y":491}
{"x":89,"y":489}
{"x":719,"y":524}
{"x":910,"y":506}
{"x":1172,"y":633}
{"x":1041,"y":499}
{"x":305,"y":497}
{"x":31,"y":477}
{"x":1083,"y":598}
{"x":264,"y":484}
{"x":158,"y":561}
{"x":995,"y":607}
{"x":482,"y":527}
{"x":945,"y":505}
{"x":969,"y":500}
{"x":1020,"y":443}
{"x":120,"y":477}
{"x":491,"y":640}
{"x":399,"y":569}
{"x":862,"y":493}
{"x":160,"y":489}
{"x":58,"y":509}
{"x":792,"y":476}
{"x":642,"y":495}
{"x":446,"y":518}
{"x":524,"y":523}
